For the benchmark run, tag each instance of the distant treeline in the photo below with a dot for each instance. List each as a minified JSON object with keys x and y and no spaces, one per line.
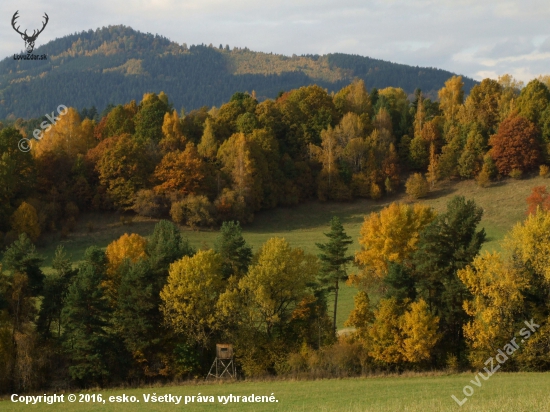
{"x":218,"y":164}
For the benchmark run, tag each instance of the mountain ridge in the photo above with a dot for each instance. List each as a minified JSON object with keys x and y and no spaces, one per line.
{"x":116,"y":64}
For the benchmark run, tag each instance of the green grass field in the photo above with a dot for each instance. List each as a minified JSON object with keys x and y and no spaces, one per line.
{"x":517,"y":392}
{"x":303,"y":226}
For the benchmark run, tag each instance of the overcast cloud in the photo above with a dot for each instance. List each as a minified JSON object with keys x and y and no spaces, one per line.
{"x":477,"y":39}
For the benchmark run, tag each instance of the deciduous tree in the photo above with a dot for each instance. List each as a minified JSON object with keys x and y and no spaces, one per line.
{"x":516,"y":145}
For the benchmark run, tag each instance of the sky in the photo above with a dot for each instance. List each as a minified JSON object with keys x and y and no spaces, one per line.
{"x":479,"y":39}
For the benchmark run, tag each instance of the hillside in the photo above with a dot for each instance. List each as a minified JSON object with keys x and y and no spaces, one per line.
{"x":303,"y":226}
{"x":117,"y":64}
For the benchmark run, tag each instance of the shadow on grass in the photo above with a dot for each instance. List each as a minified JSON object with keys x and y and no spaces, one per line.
{"x":311,"y":215}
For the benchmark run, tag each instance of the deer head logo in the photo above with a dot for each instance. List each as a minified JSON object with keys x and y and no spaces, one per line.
{"x":29,"y":40}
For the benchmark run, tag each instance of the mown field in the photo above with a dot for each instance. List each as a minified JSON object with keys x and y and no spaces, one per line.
{"x":503,"y":204}
{"x":506,"y":392}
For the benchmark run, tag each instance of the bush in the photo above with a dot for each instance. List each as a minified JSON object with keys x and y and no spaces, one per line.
{"x":375,"y":192}
{"x":516,"y":174}
{"x":230,"y":206}
{"x":193,"y":211}
{"x":544,"y":170}
{"x":417,"y":186}
{"x":483,"y":179}
{"x":147,"y":203}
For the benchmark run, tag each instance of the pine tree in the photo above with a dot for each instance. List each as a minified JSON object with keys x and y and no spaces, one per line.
{"x":334,"y":260}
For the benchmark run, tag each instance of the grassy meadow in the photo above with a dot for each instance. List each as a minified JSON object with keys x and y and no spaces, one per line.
{"x":506,"y":392}
{"x":303,"y":225}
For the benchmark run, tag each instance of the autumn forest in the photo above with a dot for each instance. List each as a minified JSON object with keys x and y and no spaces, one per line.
{"x":151,"y":309}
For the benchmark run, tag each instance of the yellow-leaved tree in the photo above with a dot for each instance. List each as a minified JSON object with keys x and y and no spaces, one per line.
{"x":25,"y":220}
{"x":389,"y":236}
{"x":277,"y":283}
{"x":361,"y":316}
{"x":191,"y":294}
{"x":172,"y":131}
{"x":497,"y":301}
{"x":69,"y":135}
{"x":530,"y":243}
{"x":130,"y":247}
{"x":451,"y":97}
{"x":419,"y":329}
{"x":385,"y":337}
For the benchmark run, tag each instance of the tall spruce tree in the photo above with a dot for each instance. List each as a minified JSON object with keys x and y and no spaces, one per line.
{"x":165,"y":246}
{"x":232,"y":247}
{"x":86,"y":320}
{"x":334,"y":260}
{"x":55,"y":290}
{"x":446,"y":245}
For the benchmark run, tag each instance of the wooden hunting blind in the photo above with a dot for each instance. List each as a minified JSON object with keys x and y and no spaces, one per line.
{"x":224,"y":351}
{"x":223,"y":364}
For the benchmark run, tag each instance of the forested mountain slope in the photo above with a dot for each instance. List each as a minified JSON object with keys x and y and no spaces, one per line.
{"x":117,"y":64}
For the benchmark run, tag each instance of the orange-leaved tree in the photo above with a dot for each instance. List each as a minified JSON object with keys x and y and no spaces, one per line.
{"x":180,"y":171}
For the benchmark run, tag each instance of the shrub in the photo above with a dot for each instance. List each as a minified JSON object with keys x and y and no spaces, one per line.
{"x":147,"y":203}
{"x":483,"y":179}
{"x":516,"y":174}
{"x":230,"y":206}
{"x":417,"y":186}
{"x":193,"y":211}
{"x":544,"y":170}
{"x":375,"y":192}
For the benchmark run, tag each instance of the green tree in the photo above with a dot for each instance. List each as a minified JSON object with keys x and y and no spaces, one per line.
{"x":137,"y":319}
{"x":150,"y":117}
{"x":449,"y":243}
{"x":533,"y":101}
{"x":86,"y":321}
{"x":17,"y":171}
{"x":334,"y":260}
{"x":20,"y":283}
{"x":233,"y":249}
{"x":55,"y":290}
{"x":165,"y":246}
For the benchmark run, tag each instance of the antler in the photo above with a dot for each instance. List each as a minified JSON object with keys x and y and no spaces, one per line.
{"x":35,"y":35}
{"x":15,"y":17}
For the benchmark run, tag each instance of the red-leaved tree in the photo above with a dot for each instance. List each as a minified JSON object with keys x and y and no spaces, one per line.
{"x":539,"y":197}
{"x":516,"y":145}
